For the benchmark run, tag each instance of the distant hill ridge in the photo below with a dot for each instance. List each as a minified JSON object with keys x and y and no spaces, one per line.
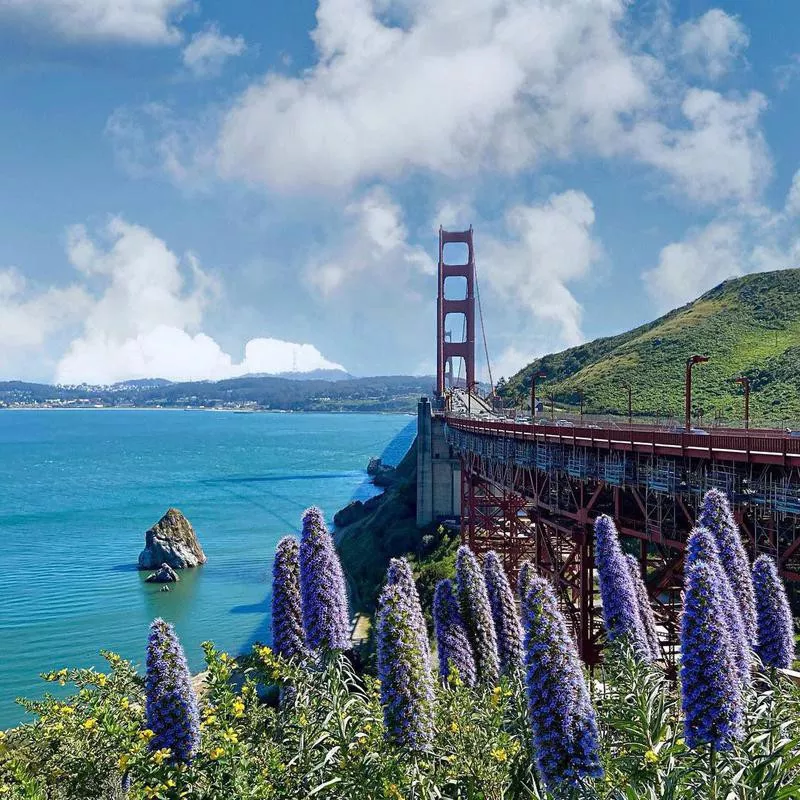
{"x":748,"y":326}
{"x":380,"y":393}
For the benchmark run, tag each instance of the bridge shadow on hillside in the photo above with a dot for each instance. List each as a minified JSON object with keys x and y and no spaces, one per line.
{"x":392,"y":454}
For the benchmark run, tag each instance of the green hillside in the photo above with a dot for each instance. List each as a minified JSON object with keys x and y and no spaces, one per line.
{"x":748,"y":326}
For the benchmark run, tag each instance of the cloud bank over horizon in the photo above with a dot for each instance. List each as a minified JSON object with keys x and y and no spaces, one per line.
{"x":138,"y":310}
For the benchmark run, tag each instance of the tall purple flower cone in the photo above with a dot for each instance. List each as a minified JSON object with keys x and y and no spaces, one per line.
{"x":322,"y":587}
{"x":452,"y":640}
{"x":565,"y":735}
{"x":702,"y":546}
{"x":621,"y":612}
{"x":775,"y":627}
{"x":715,"y":514}
{"x":171,"y":703}
{"x":645,"y":609}
{"x":477,"y":614}
{"x":526,"y":570}
{"x":406,"y":682}
{"x":504,"y":613}
{"x":287,"y":612}
{"x":401,"y":575}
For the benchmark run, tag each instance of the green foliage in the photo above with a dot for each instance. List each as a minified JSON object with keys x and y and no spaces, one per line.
{"x":326,"y":740}
{"x":750,"y":326}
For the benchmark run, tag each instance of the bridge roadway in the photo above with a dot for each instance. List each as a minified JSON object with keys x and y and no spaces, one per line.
{"x":727,"y":444}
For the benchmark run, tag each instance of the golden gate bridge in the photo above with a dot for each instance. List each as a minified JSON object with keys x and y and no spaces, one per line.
{"x":532,"y":489}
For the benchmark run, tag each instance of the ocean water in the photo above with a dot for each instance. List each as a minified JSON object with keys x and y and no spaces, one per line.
{"x":78,"y":489}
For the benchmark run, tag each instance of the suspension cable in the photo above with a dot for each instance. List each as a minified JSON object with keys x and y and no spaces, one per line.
{"x":483,"y":331}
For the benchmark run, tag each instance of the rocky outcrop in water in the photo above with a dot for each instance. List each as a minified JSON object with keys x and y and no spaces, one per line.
{"x":165,"y":575}
{"x":171,"y":541}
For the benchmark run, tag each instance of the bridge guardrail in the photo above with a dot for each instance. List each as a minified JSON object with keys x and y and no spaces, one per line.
{"x":729,"y":445}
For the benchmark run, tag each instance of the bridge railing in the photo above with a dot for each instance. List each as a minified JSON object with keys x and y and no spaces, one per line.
{"x":727,"y":444}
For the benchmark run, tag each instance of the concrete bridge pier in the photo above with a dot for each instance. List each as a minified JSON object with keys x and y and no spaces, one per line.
{"x":438,"y":469}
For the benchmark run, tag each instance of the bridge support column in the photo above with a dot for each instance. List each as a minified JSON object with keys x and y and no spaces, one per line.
{"x":438,"y":471}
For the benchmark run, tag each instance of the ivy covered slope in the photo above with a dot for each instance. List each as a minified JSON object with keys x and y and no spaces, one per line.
{"x":748,"y":326}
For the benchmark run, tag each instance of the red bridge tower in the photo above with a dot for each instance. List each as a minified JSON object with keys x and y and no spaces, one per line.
{"x":446,"y":349}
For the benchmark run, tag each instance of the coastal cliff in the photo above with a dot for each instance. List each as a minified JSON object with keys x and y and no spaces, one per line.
{"x":369,"y":534}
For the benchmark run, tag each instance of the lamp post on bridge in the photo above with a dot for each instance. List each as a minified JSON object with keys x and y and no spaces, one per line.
{"x":533,"y":394}
{"x":745,"y":381}
{"x":552,"y":398}
{"x":690,"y":362}
{"x":627,"y":387}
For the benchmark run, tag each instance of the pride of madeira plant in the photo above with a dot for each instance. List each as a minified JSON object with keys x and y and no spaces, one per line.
{"x":486,"y":730}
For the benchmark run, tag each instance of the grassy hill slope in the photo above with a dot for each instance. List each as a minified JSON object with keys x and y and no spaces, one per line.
{"x":748,"y":326}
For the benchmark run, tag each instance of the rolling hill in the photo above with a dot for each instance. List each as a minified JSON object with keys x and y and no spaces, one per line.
{"x":748,"y":326}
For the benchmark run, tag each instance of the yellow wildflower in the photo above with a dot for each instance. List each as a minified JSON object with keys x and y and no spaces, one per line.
{"x":124,"y":759}
{"x":102,"y":680}
{"x":216,"y":753}
{"x":499,"y":754}
{"x":651,"y":757}
{"x":496,"y":692}
{"x":230,"y":735}
{"x":160,"y":756}
{"x":66,"y":710}
{"x":238,"y":708}
{"x":146,"y":735}
{"x":453,"y":727}
{"x":124,"y":703}
{"x":90,"y":724}
{"x":151,"y":791}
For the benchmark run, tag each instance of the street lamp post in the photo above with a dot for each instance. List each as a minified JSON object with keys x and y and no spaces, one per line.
{"x":690,"y":362}
{"x":627,"y":387}
{"x":533,"y":394}
{"x":745,"y":381}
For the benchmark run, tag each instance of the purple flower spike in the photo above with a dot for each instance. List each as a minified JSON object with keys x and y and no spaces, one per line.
{"x":172,"y":712}
{"x":702,"y":546}
{"x":452,"y":640}
{"x":287,"y":612}
{"x":325,"y":613}
{"x":400,"y":574}
{"x":477,"y":614}
{"x":775,"y":627}
{"x":621,"y":612}
{"x":526,"y":570}
{"x":710,"y":684}
{"x":406,"y":683}
{"x":565,"y":735}
{"x":645,"y":609}
{"x":504,"y":614}
{"x":715,"y":514}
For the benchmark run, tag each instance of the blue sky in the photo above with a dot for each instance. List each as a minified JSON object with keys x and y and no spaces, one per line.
{"x":203,"y":189}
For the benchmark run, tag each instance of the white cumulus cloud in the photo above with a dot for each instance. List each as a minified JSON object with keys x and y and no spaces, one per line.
{"x":207,"y":52}
{"x":712,"y":43}
{"x":146,"y":22}
{"x":547,"y":247}
{"x":138,"y":310}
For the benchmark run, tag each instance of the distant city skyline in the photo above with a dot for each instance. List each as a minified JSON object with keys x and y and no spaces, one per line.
{"x":198,"y":190}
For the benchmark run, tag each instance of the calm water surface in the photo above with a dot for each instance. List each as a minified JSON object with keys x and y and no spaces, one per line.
{"x":78,"y":489}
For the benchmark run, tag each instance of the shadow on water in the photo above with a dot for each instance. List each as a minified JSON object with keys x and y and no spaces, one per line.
{"x":124,"y":568}
{"x":392,"y":454}
{"x":319,"y":476}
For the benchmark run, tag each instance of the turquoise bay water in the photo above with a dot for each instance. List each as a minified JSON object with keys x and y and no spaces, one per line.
{"x":78,"y":489}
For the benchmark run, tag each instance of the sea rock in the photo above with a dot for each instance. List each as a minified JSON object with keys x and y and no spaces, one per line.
{"x":165,"y":575}
{"x":172,"y":541}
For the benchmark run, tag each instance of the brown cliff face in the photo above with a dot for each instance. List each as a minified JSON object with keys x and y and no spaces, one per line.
{"x":172,"y":541}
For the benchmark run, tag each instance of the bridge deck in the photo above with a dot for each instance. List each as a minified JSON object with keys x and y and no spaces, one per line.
{"x":753,"y":446}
